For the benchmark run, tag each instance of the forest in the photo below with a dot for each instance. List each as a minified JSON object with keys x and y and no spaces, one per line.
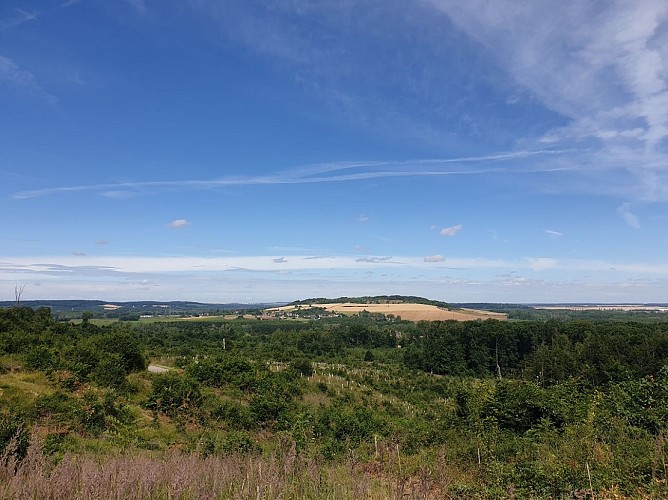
{"x":338,"y":408}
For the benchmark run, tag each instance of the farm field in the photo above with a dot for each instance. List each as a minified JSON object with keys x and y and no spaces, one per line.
{"x":407,"y":311}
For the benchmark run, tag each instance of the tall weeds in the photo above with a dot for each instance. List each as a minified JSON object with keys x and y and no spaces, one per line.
{"x":176,"y":475}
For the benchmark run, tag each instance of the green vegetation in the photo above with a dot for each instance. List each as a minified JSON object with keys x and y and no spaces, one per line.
{"x":336,"y":408}
{"x":376,"y":299}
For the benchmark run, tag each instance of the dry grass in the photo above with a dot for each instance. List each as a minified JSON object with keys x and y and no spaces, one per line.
{"x":175,"y":475}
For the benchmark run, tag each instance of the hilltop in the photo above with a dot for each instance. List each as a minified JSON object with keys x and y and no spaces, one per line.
{"x":391,"y":307}
{"x":375,"y":299}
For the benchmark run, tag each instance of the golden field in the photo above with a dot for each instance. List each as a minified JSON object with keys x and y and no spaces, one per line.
{"x":407,"y":311}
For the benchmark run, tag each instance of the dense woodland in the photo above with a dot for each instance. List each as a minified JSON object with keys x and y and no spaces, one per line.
{"x":479,"y":409}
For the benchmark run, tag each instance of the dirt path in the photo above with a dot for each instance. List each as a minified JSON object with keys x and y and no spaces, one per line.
{"x":157,"y":369}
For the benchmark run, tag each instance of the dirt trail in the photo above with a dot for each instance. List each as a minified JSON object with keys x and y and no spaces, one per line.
{"x":157,"y":369}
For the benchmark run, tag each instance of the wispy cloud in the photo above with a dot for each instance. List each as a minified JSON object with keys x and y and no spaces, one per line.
{"x":322,"y":173}
{"x":118,"y":194}
{"x":552,"y":233}
{"x":452,"y":230}
{"x":279,"y":260}
{"x":607,"y":47}
{"x":434,"y":258}
{"x":11,"y":74}
{"x":600,"y":66}
{"x":363,"y":218}
{"x":19,"y":18}
{"x":624,"y":211}
{"x":178,"y":223}
{"x":138,"y":5}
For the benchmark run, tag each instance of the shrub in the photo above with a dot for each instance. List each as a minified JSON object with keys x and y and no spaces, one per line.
{"x":110,"y":372}
{"x":235,"y":415}
{"x":173,"y":394}
{"x":40,"y":357}
{"x":301,"y":366}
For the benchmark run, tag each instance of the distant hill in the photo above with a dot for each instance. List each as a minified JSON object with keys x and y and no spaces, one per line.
{"x":376,"y":299}
{"x":145,"y":307}
{"x":388,"y":307}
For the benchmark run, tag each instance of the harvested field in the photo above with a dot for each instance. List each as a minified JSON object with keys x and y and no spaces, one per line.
{"x":408,"y":311}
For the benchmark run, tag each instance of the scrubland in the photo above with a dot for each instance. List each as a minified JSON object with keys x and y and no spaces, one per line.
{"x":351,"y":407}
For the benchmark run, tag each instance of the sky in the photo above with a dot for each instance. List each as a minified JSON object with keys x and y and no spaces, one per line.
{"x":267,"y":151}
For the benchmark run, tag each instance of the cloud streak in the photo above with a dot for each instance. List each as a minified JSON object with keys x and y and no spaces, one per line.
{"x":12,"y":74}
{"x":21,"y":17}
{"x":320,"y":173}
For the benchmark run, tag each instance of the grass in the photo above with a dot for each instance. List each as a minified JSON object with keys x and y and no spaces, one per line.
{"x":18,"y":387}
{"x":282,"y":474}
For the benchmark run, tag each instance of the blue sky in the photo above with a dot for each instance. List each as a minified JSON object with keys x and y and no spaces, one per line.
{"x":259,"y":151}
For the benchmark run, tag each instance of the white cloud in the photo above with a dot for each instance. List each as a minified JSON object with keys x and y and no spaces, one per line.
{"x":178,"y":223}
{"x":575,"y":55}
{"x":624,"y":211}
{"x":452,"y":230}
{"x":542,"y":263}
{"x":434,"y":258}
{"x":363,"y":218}
{"x":373,"y":260}
{"x":602,"y":66}
{"x":552,"y":233}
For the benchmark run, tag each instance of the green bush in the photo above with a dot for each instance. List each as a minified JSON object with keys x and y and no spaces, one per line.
{"x":234,"y":414}
{"x":110,"y":372}
{"x":173,"y":394}
{"x":40,"y":357}
{"x":301,"y":366}
{"x":217,"y":372}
